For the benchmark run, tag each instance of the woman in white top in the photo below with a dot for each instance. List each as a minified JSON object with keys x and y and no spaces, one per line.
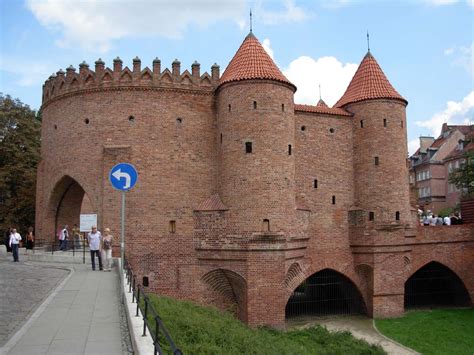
{"x":15,"y":244}
{"x":107,"y":249}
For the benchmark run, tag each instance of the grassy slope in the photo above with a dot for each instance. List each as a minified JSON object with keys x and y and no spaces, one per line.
{"x":433,"y":332}
{"x":203,"y":330}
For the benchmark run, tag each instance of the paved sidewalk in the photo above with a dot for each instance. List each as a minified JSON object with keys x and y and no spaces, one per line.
{"x":82,"y":317}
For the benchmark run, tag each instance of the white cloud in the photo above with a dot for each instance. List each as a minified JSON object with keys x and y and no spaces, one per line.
{"x":307,"y":73}
{"x":413,"y":145}
{"x":267,"y":46}
{"x":462,"y":57}
{"x":461,"y":112}
{"x":94,"y":24}
{"x":27,"y":73}
{"x":290,"y":13}
{"x":336,"y":4}
{"x":441,"y":2}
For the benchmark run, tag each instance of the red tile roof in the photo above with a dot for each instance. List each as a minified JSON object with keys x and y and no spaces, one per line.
{"x":213,"y":203}
{"x":321,"y":103}
{"x":369,"y":82}
{"x":322,"y":109}
{"x":251,"y":61}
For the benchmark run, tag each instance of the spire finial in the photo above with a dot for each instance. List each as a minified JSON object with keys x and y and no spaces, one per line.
{"x":368,"y":41}
{"x":320,"y":91}
{"x":250,"y":19}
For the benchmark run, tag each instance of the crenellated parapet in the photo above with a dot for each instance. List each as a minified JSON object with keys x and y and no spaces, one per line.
{"x":104,"y":78}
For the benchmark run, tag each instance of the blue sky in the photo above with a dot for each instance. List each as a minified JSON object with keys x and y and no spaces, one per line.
{"x":424,"y":47}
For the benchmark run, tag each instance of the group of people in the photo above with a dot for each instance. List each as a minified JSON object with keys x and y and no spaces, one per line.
{"x":434,"y":220}
{"x":13,"y":241}
{"x":99,"y":245}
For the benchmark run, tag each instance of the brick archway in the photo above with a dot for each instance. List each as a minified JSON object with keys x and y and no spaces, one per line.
{"x":326,"y":292}
{"x":227,"y":290}
{"x":65,"y":203}
{"x":435,"y":285}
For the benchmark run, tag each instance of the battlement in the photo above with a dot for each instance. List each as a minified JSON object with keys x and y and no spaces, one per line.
{"x":104,"y":77}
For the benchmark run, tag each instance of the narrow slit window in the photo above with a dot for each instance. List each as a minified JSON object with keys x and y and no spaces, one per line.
{"x":371,"y":216}
{"x":333,"y":200}
{"x":255,"y":105}
{"x":221,"y":138}
{"x":289,"y":149}
{"x":376,"y":160}
{"x":266,"y":225}
{"x":361,"y":123}
{"x":385,"y":122}
{"x":401,"y":124}
{"x":397,"y":215}
{"x":315,"y":183}
{"x":282,"y":107}
{"x":230,"y":107}
{"x":303,"y":128}
{"x":248,"y":147}
{"x":172,"y":226}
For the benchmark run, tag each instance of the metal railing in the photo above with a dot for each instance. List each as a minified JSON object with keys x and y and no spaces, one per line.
{"x":71,"y":246}
{"x":151,"y":319}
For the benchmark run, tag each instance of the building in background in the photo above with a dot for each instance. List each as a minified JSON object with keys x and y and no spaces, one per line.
{"x":432,"y":163}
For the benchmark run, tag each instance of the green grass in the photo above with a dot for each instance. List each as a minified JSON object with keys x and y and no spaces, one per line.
{"x":206,"y":330}
{"x":440,"y":331}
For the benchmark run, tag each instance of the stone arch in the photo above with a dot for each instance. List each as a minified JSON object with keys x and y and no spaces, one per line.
{"x":435,"y":285}
{"x":66,"y":201}
{"x":294,"y":271}
{"x":326,"y":292}
{"x":227,"y":290}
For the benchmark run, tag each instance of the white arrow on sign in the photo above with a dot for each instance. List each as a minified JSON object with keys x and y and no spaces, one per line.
{"x":118,"y":175}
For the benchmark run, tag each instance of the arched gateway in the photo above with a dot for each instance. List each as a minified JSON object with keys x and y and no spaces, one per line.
{"x":326,"y":292}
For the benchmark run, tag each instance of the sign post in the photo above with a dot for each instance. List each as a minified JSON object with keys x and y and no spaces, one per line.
{"x":123,"y":177}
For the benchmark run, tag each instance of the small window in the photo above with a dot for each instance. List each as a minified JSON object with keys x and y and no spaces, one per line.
{"x":172,"y":226}
{"x":221,"y":138}
{"x":179,"y":120}
{"x":55,"y":126}
{"x":266,"y":225}
{"x":333,"y":200}
{"x":331,"y":130}
{"x":376,"y":160}
{"x":371,"y":216}
{"x":289,"y":149}
{"x":282,"y":107}
{"x":255,"y":105}
{"x":397,"y":215}
{"x":86,"y":121}
{"x":131,"y":119}
{"x":401,"y":124}
{"x":385,"y":122}
{"x":230,"y":107}
{"x":361,"y":123}
{"x":248,"y":147}
{"x":303,"y":128}
{"x":315,"y":183}
{"x":145,"y":282}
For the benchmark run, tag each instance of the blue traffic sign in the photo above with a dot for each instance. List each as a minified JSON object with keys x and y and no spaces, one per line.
{"x":123,"y":176}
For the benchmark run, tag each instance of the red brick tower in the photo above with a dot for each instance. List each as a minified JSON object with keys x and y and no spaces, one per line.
{"x":255,"y":117}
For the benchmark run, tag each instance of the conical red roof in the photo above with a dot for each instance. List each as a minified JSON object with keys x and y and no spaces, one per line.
{"x":321,"y":103}
{"x":251,"y":61}
{"x":369,"y":82}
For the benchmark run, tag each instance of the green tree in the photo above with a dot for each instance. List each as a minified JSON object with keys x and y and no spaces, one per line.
{"x":20,"y":132}
{"x":463,"y":177}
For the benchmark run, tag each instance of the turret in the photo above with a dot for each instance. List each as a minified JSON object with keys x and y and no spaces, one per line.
{"x":380,"y":145}
{"x":256,"y":141}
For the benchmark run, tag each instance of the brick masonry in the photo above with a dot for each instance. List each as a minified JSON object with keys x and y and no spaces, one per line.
{"x":272,"y":228}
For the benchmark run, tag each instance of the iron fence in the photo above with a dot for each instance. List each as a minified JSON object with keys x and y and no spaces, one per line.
{"x":151,"y":320}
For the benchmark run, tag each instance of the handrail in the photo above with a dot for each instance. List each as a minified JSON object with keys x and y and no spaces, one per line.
{"x":145,"y":307}
{"x":55,"y":246}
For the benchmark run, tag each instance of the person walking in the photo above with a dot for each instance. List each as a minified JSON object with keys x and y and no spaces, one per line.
{"x":14,"y":243}
{"x":63,"y":237}
{"x":30,"y":240}
{"x":107,"y":249}
{"x":7,"y":239}
{"x":94,"y":239}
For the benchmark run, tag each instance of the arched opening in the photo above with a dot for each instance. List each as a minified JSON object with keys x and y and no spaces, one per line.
{"x":435,"y":285}
{"x":326,"y":292}
{"x":67,"y":202}
{"x":226,"y":290}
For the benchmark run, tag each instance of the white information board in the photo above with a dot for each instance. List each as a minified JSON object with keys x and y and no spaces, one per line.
{"x":87,"y":221}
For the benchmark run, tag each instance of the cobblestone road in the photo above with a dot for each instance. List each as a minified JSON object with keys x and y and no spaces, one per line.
{"x":23,"y":286}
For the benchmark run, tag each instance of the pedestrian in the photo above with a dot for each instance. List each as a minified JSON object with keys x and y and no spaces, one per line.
{"x":432,"y":220}
{"x":30,"y":239}
{"x":426,"y":221}
{"x":63,"y":237}
{"x":439,"y":221}
{"x":14,"y":242}
{"x":94,"y":239}
{"x":7,"y":239}
{"x":76,"y":236}
{"x":107,"y":249}
{"x":447,"y":221}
